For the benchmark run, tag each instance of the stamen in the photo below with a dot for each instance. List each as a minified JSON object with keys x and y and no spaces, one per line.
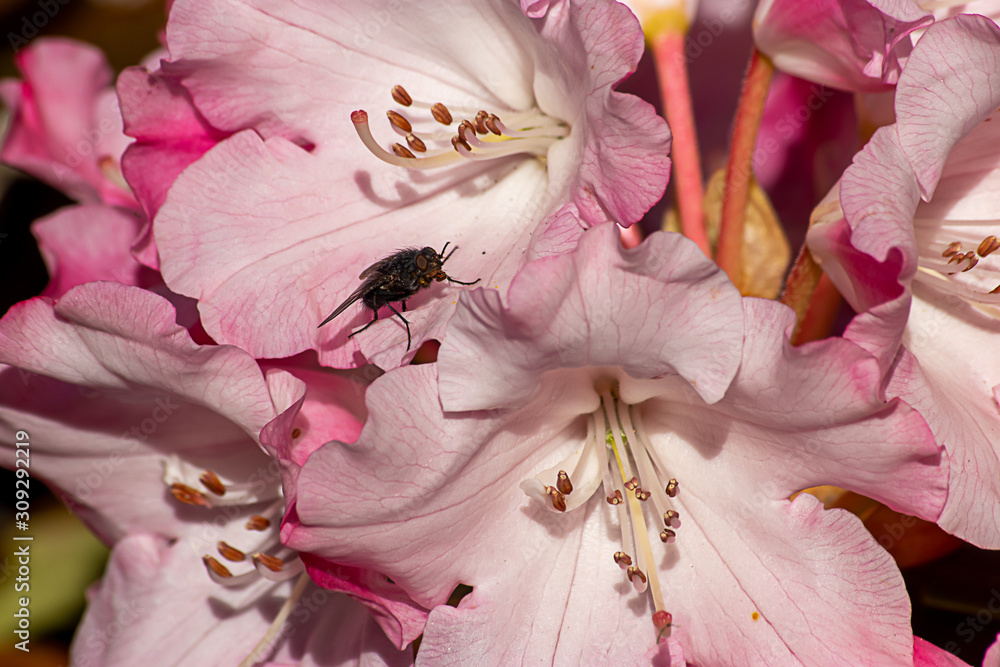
{"x":212,"y":482}
{"x":403,"y":151}
{"x":360,"y":119}
{"x":401,"y":97}
{"x":258,"y":522}
{"x":481,"y":118}
{"x":491,"y":124}
{"x":458,"y":143}
{"x":535,"y":133}
{"x":399,"y":123}
{"x":563,"y":484}
{"x":557,"y":498}
{"x":414,"y":142}
{"x":230,"y":552}
{"x":633,"y":572}
{"x":988,"y":246}
{"x":441,"y":114}
{"x":270,"y":562}
{"x":217,"y":568}
{"x":186,"y":494}
{"x":945,"y":266}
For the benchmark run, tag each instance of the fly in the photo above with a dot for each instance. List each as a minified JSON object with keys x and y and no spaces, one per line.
{"x":395,"y":279}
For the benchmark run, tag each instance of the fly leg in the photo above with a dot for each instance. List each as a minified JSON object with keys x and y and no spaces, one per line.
{"x":374,"y":320}
{"x":459,"y":282}
{"x":405,"y":321}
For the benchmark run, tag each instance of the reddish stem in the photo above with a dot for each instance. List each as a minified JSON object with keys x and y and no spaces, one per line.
{"x":739,"y":170}
{"x":671,"y":69}
{"x":822,"y":313}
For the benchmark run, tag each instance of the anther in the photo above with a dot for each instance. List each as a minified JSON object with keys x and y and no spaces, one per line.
{"x":403,"y":151}
{"x":230,"y":552}
{"x":995,"y":290}
{"x":616,"y":499}
{"x":667,"y":536}
{"x":481,"y":122}
{"x":632,"y":484}
{"x":953,"y":248}
{"x":988,"y":245}
{"x":563,"y":484}
{"x":622,"y":559}
{"x":557,"y":498}
{"x":671,"y":489}
{"x":296,"y":432}
{"x":398,"y":121}
{"x":633,"y":571}
{"x":415,"y":143}
{"x":457,"y":141}
{"x":642,"y":494}
{"x":186,"y":494}
{"x":491,"y":124}
{"x":217,"y":567}
{"x":670,"y":516}
{"x":401,"y":97}
{"x":441,"y":113}
{"x":257,"y":522}
{"x":972,"y":263}
{"x":270,"y":562}
{"x":212,"y":482}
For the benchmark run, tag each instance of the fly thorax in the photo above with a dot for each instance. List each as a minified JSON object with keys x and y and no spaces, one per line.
{"x":436,"y":135}
{"x":618,"y":461}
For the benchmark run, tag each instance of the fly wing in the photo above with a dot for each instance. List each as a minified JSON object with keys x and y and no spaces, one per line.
{"x":376,"y":267}
{"x":355,"y":296}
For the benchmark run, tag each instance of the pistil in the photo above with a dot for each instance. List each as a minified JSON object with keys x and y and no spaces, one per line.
{"x":617,"y":457}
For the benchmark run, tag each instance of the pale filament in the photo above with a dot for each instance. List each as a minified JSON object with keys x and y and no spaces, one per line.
{"x":478,"y":136}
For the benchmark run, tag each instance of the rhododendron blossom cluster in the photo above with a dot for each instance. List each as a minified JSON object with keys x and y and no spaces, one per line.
{"x":586,"y":439}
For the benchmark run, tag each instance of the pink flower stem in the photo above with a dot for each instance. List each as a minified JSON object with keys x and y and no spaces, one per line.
{"x":739,"y":170}
{"x":811,"y":294}
{"x":671,"y":69}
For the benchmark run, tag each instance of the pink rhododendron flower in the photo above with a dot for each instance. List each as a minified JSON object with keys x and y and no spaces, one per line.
{"x":155,"y":602}
{"x":270,"y":229}
{"x":127,"y":416}
{"x":66,"y":127}
{"x":856,"y":45}
{"x":169,"y":135}
{"x":90,"y":242}
{"x":883,"y":252}
{"x":992,"y":658}
{"x":643,"y":378}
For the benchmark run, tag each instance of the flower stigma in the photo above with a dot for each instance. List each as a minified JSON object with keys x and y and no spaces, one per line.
{"x":618,"y":457}
{"x":480,"y":135}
